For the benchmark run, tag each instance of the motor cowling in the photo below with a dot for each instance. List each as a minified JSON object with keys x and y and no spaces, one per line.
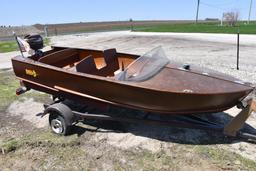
{"x":36,"y":41}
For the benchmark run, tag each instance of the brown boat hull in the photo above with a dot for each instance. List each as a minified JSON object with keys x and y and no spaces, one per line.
{"x":81,"y":87}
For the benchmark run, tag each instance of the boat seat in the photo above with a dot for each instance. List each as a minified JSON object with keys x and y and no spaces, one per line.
{"x":87,"y":65}
{"x":58,"y":56}
{"x":111,"y":60}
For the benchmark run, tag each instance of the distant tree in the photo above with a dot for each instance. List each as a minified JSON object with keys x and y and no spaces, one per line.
{"x":131,"y":21}
{"x":55,"y":31}
{"x":231,"y":17}
{"x":211,"y":19}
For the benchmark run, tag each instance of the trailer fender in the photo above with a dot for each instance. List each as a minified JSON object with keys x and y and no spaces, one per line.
{"x":61,"y":109}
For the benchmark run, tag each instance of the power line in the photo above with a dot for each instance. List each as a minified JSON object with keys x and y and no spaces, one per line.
{"x":227,"y":3}
{"x":213,"y":6}
{"x":217,"y":7}
{"x":220,"y":8}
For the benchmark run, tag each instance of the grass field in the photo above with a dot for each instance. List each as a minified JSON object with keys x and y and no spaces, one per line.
{"x":10,"y":46}
{"x":8,"y":86}
{"x":199,"y":28}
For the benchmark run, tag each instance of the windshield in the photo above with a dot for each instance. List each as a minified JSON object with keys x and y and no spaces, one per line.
{"x":145,"y":67}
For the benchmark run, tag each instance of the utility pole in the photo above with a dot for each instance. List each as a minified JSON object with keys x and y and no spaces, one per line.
{"x":197,"y":11}
{"x":221,"y":22}
{"x":249,"y":17}
{"x":238,"y":47}
{"x":46,"y":31}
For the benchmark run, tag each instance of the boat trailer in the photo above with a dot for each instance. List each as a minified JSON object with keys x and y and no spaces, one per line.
{"x":62,"y":117}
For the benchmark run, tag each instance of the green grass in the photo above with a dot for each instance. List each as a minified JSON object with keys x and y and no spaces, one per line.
{"x":47,"y":41}
{"x":8,"y":86}
{"x":223,"y":157}
{"x":62,"y":151}
{"x":9,"y":46}
{"x":38,"y":139}
{"x":154,"y":161}
{"x":48,"y":149}
{"x":199,"y":28}
{"x":10,"y":145}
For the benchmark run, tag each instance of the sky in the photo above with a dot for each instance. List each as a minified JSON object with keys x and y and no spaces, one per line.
{"x":28,"y":12}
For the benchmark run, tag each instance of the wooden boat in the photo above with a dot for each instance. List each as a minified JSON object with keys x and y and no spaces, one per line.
{"x":139,"y":82}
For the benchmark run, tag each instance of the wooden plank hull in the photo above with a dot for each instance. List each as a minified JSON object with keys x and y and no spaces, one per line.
{"x":60,"y":82}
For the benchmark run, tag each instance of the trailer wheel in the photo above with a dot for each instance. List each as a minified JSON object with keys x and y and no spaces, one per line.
{"x":61,"y":118}
{"x":58,"y":124}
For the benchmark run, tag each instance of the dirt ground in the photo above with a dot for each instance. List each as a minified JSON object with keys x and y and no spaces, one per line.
{"x":27,"y":143}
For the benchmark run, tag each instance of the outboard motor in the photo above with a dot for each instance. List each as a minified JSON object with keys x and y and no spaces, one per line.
{"x":36,"y":42}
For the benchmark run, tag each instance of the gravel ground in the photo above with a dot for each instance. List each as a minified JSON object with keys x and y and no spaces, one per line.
{"x":5,"y":59}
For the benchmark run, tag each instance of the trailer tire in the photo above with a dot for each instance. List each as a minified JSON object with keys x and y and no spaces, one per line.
{"x":61,"y":118}
{"x":58,"y":124}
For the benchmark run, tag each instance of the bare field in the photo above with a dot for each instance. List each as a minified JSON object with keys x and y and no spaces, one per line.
{"x":28,"y":144}
{"x":66,"y":28}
